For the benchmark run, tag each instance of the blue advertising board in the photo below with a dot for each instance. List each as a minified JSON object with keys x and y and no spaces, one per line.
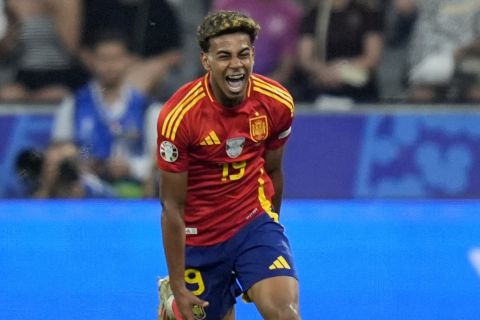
{"x":20,"y":132}
{"x":384,"y":155}
{"x":362,"y":260}
{"x":335,"y":155}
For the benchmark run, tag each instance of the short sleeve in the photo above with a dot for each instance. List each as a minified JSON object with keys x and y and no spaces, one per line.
{"x":281,"y":128}
{"x":172,"y":152}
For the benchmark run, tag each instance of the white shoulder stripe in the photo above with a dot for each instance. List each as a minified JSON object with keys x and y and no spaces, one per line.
{"x":285,"y":133}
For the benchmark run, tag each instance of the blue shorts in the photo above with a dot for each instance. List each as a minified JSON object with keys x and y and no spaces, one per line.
{"x":219,"y":273}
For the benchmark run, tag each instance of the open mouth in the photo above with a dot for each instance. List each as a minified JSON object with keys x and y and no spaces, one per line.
{"x":235,"y":82}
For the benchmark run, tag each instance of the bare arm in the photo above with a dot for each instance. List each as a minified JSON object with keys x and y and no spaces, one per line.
{"x":9,"y":39}
{"x":173,"y":192}
{"x":145,"y":74}
{"x":372,"y":52}
{"x":68,"y":19}
{"x":273,"y":167}
{"x":306,"y":53}
{"x":405,"y":6}
{"x":284,"y":69}
{"x":472,"y":48}
{"x":320,"y":72}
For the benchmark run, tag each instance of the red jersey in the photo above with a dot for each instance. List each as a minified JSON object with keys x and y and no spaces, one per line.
{"x":222,"y":150}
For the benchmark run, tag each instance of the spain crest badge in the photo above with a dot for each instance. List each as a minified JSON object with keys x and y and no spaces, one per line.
{"x":258,"y":128}
{"x":199,"y":312}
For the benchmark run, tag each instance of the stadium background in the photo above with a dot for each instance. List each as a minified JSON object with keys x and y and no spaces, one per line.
{"x":382,"y":200}
{"x":381,"y":209}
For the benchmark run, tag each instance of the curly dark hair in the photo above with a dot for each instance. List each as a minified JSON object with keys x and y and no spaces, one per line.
{"x":224,"y":22}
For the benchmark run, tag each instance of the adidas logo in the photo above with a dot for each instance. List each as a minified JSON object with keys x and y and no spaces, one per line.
{"x":279,"y":263}
{"x":210,"y":140}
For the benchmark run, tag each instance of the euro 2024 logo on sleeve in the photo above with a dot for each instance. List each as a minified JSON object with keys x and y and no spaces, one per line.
{"x":168,"y":151}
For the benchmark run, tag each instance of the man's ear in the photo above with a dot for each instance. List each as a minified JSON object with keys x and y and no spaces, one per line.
{"x":204,"y":60}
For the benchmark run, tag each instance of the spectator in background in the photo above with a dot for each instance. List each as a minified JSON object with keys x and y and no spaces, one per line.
{"x":467,"y":75}
{"x":107,"y":118}
{"x":280,"y":20}
{"x":46,"y":49}
{"x":63,"y":176}
{"x":8,"y":33}
{"x":340,"y":47}
{"x":190,"y":14}
{"x":153,"y":35}
{"x":28,"y":168}
{"x":3,"y":20}
{"x":442,"y":28}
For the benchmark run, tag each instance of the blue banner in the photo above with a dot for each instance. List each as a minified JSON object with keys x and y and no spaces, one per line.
{"x":20,"y":132}
{"x":335,"y":155}
{"x":405,"y":155}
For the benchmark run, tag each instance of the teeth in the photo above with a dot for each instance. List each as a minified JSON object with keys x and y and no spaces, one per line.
{"x":236,"y":77}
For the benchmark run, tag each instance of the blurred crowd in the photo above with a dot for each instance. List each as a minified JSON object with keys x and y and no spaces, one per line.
{"x":110,"y":63}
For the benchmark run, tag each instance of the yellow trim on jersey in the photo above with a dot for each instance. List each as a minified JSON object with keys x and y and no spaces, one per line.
{"x":249,"y":88}
{"x":279,"y":90}
{"x":207,"y":87}
{"x":185,"y":110}
{"x":276,"y":97}
{"x":275,"y":92}
{"x":264,"y":202}
{"x":173,"y":113}
{"x":179,"y":111}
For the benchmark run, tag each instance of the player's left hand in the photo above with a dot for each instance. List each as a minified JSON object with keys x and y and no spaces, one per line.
{"x":185,"y":301}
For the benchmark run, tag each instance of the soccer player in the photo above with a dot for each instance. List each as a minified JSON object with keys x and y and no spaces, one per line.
{"x":220,"y":145}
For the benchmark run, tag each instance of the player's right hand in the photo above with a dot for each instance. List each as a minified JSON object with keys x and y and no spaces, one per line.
{"x":185,"y":301}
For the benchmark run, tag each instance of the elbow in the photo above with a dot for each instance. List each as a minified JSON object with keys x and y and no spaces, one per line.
{"x":171,"y":212}
{"x":171,"y":222}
